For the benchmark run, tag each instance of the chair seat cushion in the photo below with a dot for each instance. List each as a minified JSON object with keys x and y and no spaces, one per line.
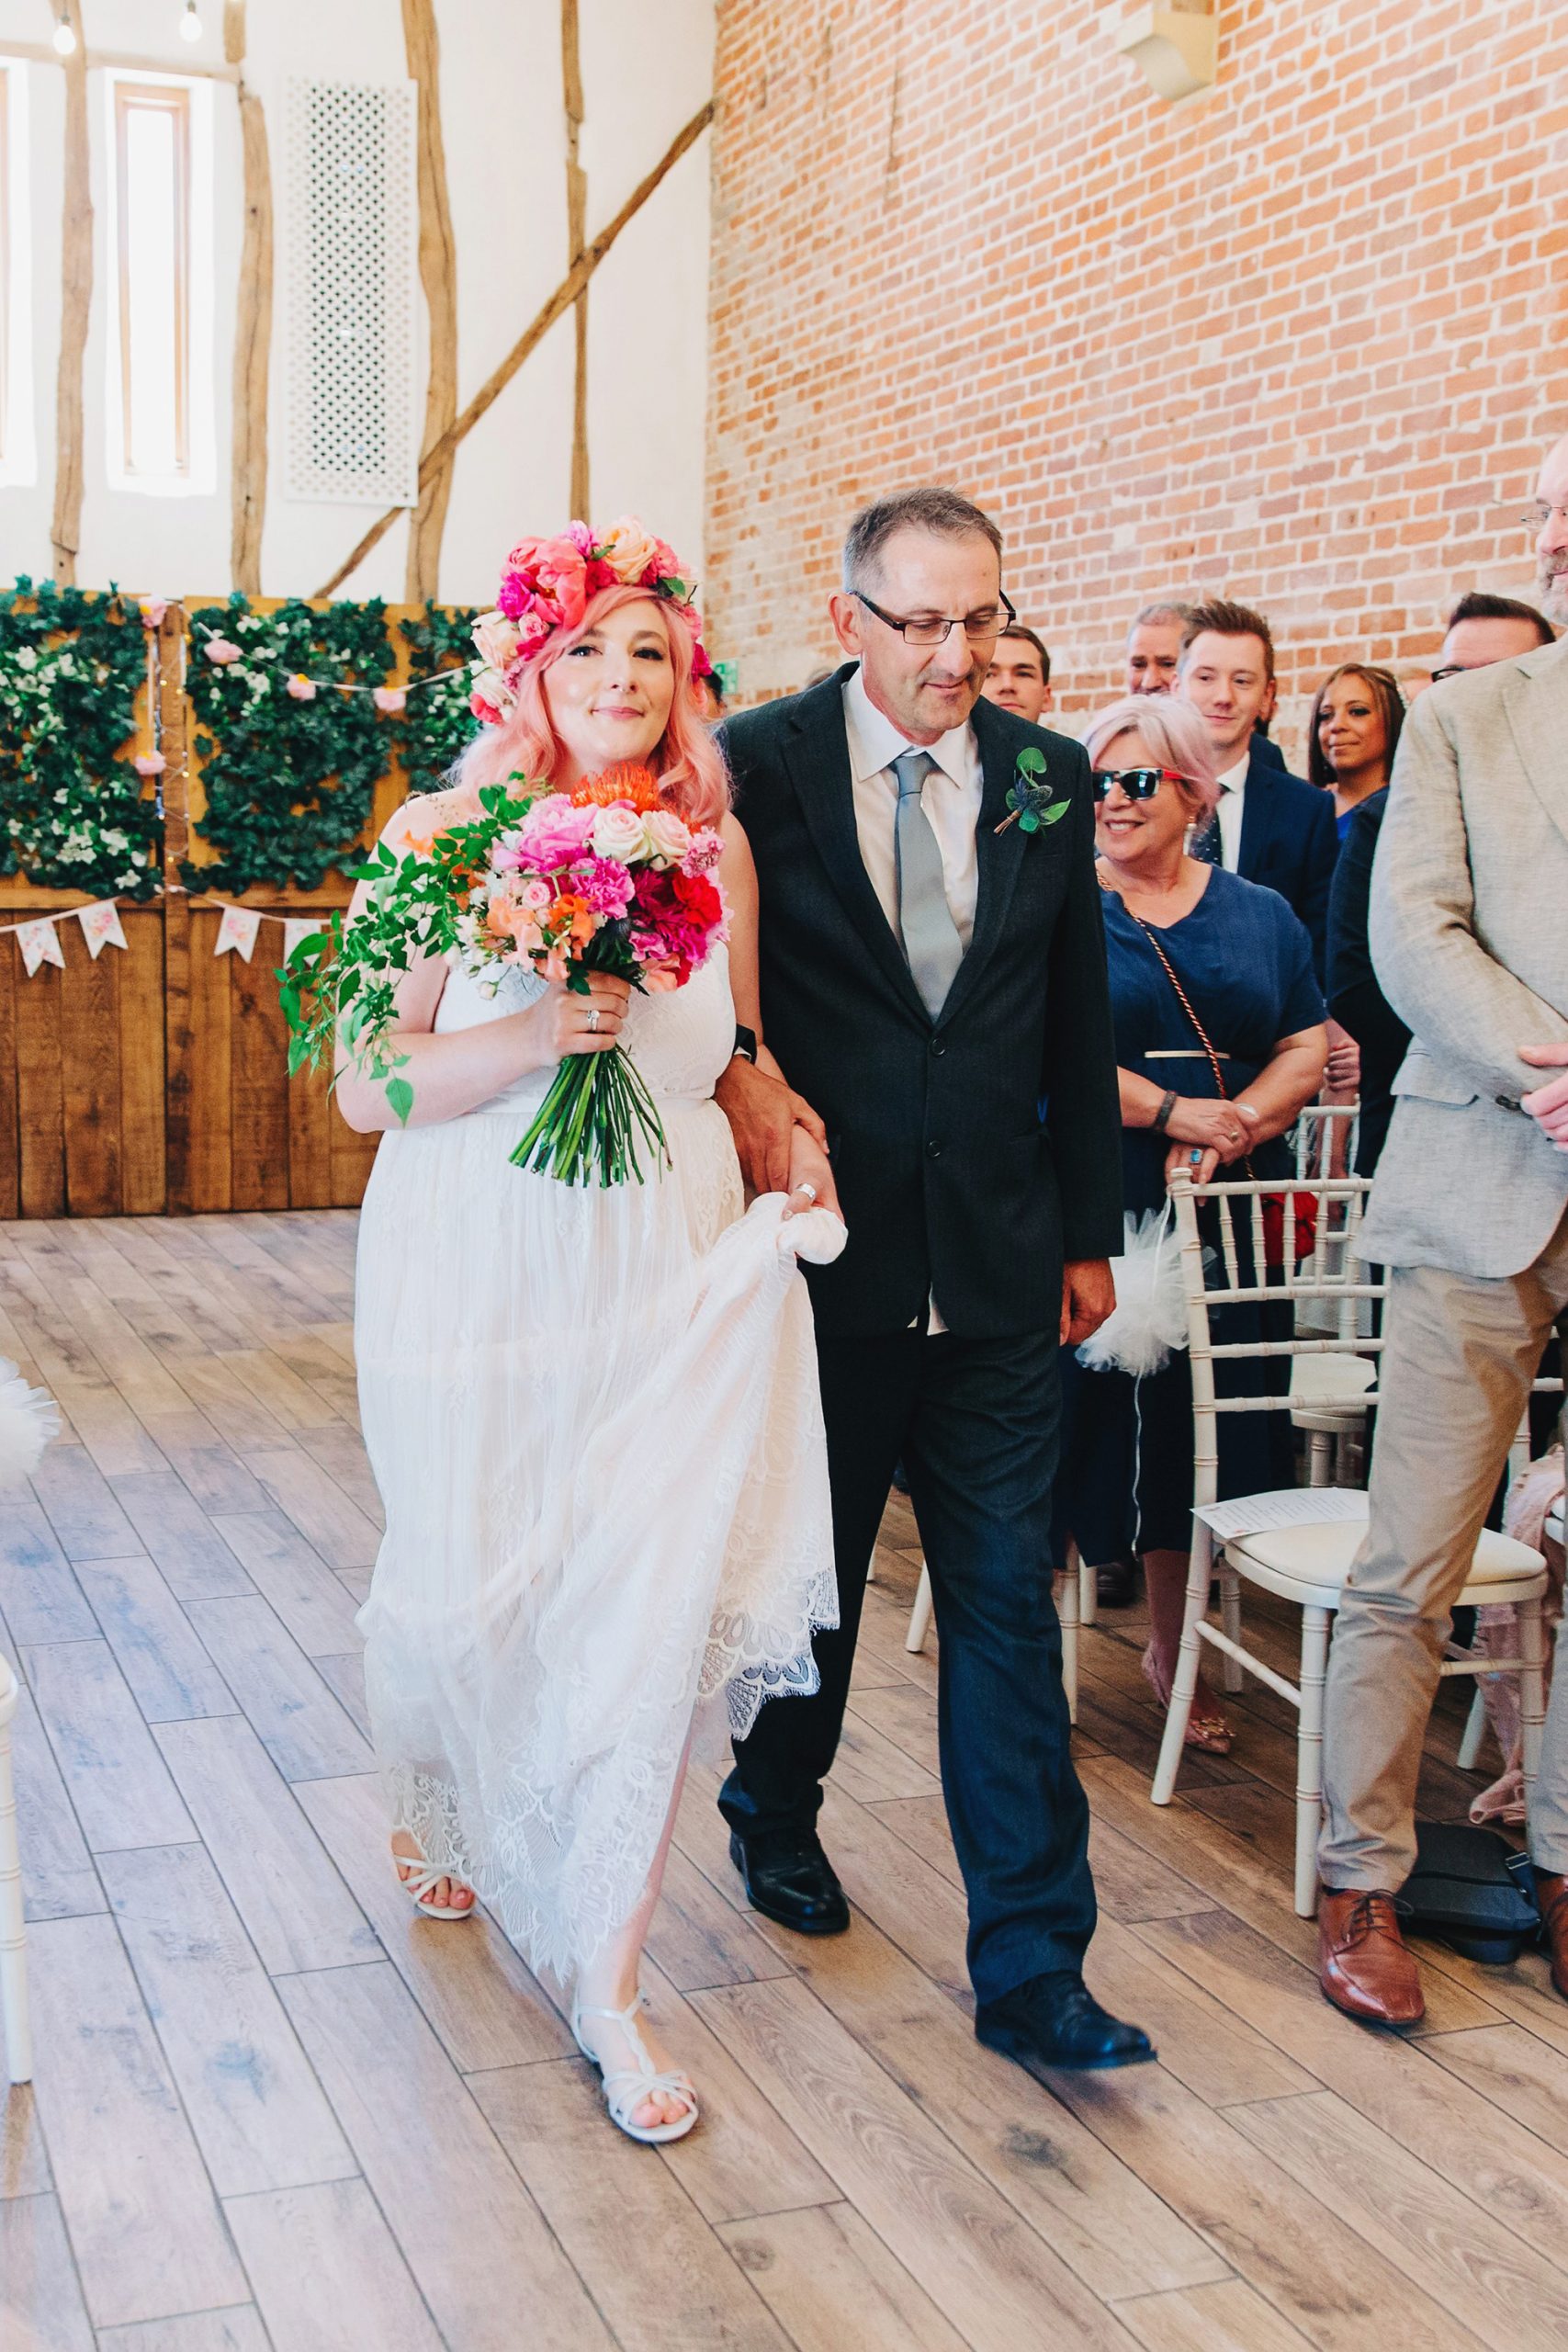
{"x":1320,"y":1556}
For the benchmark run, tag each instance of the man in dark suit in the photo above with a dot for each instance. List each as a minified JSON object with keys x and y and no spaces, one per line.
{"x":933,"y":982}
{"x":1272,"y":827}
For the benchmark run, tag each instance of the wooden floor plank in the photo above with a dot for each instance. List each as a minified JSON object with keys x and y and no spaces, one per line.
{"x":469,"y":1982}
{"x":328,"y":2274}
{"x":254,"y":2104}
{"x":986,"y":2270}
{"x":39,"y":1596}
{"x":170,"y":1674}
{"x":598,"y":2196}
{"x":296,"y":1581}
{"x":318,"y":1507}
{"x":148,"y":2235}
{"x":238,"y":2329}
{"x":88,"y":1522}
{"x":296,"y":1910}
{"x":196,"y":1562}
{"x":59,"y":1880}
{"x":1229,"y":2317}
{"x":41,"y":2297}
{"x":294,"y":1714}
{"x":1511,"y":2071}
{"x":1510,"y":2297}
{"x":118,"y":1783}
{"x":821,"y":2270}
{"x":470,"y":2233}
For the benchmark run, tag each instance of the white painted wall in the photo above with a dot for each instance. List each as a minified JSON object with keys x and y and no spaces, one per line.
{"x":647,"y":68}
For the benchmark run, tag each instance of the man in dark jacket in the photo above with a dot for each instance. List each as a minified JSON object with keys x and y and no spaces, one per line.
{"x":933,"y":982}
{"x":1270,"y":827}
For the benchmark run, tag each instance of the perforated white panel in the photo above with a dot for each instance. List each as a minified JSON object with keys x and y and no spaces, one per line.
{"x":352,"y":254}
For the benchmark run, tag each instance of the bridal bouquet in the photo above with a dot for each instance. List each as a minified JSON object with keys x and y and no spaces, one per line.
{"x":603,"y":878}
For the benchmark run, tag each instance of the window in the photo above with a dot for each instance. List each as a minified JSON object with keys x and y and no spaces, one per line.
{"x":17,"y":459}
{"x":160,"y":347}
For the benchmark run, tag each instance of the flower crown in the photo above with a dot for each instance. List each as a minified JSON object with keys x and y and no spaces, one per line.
{"x":545,"y":587}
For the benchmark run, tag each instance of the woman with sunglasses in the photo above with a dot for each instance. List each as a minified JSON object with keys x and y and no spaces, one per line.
{"x":1220,"y":1041}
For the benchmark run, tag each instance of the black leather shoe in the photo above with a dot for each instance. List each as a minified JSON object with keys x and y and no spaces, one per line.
{"x":791,"y":1881}
{"x":1116,"y":1584}
{"x":1057,"y":2021}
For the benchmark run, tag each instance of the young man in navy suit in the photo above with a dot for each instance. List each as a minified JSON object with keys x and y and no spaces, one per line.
{"x":1272,"y":827}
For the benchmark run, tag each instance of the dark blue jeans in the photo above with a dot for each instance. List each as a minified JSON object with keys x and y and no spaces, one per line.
{"x":977,"y":1423}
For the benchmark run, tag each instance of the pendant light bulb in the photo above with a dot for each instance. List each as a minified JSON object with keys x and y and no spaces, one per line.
{"x":190,"y":23}
{"x":64,"y":36}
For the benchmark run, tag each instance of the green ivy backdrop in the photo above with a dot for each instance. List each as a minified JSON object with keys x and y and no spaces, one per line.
{"x":437,"y":721}
{"x":74,"y":815}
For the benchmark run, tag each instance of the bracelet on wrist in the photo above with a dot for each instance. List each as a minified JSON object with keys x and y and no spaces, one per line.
{"x":1161,"y":1119}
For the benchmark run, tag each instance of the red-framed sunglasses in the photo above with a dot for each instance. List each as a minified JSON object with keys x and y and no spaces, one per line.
{"x":1138,"y":784}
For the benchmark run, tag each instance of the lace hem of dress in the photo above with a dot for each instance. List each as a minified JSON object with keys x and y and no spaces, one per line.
{"x":521,"y":1860}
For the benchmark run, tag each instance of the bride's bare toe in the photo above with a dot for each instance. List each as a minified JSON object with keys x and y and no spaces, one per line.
{"x":431,"y":1895}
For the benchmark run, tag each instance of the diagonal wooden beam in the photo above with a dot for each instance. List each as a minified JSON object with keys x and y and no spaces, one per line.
{"x":560,"y":301}
{"x":438,"y":276}
{"x":76,"y":305}
{"x":576,"y":236}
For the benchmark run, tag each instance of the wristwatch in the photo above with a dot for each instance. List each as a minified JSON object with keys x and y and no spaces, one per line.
{"x":746,"y":1043}
{"x":1162,"y":1116}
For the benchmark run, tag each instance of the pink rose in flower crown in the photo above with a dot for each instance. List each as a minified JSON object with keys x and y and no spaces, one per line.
{"x":513,"y":596}
{"x":561,"y":582}
{"x":496,"y":640}
{"x":555,"y":831}
{"x":632,"y":553}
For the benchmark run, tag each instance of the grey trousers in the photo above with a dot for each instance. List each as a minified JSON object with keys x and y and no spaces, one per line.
{"x":1459,"y":1357}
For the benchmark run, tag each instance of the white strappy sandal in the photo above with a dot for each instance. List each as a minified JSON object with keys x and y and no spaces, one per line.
{"x":626,"y":2087}
{"x":418,"y":1883}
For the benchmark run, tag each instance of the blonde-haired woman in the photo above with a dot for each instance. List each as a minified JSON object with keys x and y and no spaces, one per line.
{"x":1207,"y":972}
{"x":592,"y":1413}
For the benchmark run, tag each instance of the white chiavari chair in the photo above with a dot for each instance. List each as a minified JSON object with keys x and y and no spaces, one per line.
{"x":1303,"y":1561}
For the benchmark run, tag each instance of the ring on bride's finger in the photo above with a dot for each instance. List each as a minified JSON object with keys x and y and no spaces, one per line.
{"x":810,"y":1191}
{"x":594,"y":1018}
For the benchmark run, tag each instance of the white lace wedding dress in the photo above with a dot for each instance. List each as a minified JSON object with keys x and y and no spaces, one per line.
{"x":593,"y":1417}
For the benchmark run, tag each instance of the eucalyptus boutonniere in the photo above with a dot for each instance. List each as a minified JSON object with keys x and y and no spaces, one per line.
{"x":1031,"y":798}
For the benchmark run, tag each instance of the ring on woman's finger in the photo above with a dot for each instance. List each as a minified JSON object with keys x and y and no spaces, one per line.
{"x":810,"y":1191}
{"x":593,"y":1019}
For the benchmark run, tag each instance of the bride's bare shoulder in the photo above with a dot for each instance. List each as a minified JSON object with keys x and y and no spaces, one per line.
{"x":424,"y":814}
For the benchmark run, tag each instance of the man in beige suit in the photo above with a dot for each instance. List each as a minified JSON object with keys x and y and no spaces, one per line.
{"x":1469,"y":1213}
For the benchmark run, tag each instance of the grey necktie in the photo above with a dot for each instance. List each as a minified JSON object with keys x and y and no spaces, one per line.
{"x":931,"y":944}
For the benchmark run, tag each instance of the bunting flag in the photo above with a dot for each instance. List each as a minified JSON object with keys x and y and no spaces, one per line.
{"x":39,"y":944}
{"x":100,"y":927}
{"x":299,"y":927}
{"x":237,"y":932}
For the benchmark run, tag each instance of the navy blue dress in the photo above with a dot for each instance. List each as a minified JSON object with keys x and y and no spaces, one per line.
{"x":1245,"y":960}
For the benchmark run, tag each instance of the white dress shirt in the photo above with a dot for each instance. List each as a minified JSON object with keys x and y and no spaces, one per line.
{"x":1232,"y":787}
{"x":950,"y":798}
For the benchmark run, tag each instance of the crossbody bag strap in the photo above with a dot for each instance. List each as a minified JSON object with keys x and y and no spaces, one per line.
{"x":1221,"y":1089}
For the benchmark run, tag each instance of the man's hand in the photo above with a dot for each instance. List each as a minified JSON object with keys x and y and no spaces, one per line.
{"x":1548,"y":1106}
{"x":1089,"y":1294}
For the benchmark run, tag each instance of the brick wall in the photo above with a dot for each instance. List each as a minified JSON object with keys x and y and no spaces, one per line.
{"x":1298,"y":340}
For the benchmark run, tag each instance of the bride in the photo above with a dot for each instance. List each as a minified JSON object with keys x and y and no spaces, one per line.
{"x":592,"y":1413}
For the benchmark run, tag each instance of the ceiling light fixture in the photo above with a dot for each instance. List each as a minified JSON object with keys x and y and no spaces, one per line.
{"x":65,"y":35}
{"x":190,"y":23}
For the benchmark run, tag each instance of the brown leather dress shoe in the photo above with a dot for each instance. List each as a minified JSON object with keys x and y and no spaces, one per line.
{"x":1551,"y":1891}
{"x":1363,"y":1964}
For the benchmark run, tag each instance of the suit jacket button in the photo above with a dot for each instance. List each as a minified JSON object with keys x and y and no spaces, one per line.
{"x":937,"y":1046}
{"x":1506,"y":1102}
{"x":933,"y":1151}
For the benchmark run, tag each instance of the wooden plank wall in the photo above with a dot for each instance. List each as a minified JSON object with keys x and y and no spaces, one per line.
{"x":155,"y":1081}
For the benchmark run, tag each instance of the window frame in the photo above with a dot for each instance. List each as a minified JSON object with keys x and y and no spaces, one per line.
{"x":188,"y":101}
{"x":19,"y":451}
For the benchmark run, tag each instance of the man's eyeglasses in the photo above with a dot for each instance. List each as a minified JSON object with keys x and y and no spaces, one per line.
{"x":1138,"y":784}
{"x":981,"y":628}
{"x":1451,"y":670}
{"x":1537,"y":517}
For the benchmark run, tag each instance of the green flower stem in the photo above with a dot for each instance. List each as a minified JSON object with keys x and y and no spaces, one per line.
{"x":596,"y":1106}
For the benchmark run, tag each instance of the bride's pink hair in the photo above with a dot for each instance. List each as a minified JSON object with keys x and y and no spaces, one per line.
{"x":686,"y":761}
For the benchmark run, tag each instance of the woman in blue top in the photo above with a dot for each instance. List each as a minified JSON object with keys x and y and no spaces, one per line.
{"x":1243,"y":963}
